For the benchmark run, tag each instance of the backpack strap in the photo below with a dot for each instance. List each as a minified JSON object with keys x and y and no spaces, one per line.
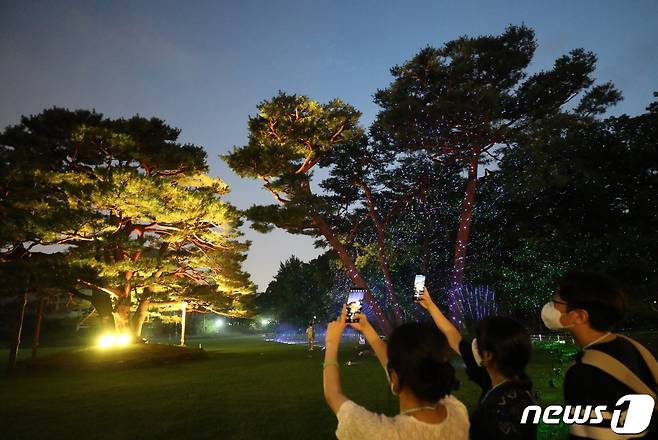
{"x":622,"y":373}
{"x":598,"y":433}
{"x":649,"y":359}
{"x":616,"y":369}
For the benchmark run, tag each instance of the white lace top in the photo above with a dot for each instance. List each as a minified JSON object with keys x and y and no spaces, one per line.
{"x":355,"y":422}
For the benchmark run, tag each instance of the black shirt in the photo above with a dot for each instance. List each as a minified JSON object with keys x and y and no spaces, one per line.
{"x":498,"y":414}
{"x":589,"y":385}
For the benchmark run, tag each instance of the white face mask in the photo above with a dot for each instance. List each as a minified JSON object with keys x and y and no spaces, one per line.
{"x":551,"y":317}
{"x":476,"y":353}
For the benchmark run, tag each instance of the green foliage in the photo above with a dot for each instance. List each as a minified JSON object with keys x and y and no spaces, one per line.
{"x":133,"y":204}
{"x":529,"y":279}
{"x":300,"y":291}
{"x":472,"y":93}
{"x":287,"y":138}
{"x":582,"y":192}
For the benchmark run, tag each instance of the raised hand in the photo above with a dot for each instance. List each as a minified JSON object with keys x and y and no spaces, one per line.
{"x":425,"y":300}
{"x":447,"y":327}
{"x":363,"y":325}
{"x":336,"y":328}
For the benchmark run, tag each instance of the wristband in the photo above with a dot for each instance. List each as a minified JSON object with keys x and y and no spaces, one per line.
{"x":327,"y":363}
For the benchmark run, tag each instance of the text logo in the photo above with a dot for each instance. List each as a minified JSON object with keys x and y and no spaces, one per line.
{"x":633,"y":420}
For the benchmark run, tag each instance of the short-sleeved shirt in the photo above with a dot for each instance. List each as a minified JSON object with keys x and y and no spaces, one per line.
{"x":498,"y":413}
{"x":589,"y":385}
{"x":355,"y":423}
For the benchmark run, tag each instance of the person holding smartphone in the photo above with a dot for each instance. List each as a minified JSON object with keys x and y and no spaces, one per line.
{"x":420,"y":375}
{"x":496,"y":361}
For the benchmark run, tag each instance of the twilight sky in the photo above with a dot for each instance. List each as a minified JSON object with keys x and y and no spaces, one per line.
{"x":202,"y":66}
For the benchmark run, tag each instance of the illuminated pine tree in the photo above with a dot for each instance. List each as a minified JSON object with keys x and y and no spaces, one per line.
{"x":134,"y":205}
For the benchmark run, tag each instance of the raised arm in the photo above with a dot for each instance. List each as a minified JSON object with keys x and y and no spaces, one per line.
{"x":446,"y":327}
{"x":376,"y":343}
{"x":333,"y":392}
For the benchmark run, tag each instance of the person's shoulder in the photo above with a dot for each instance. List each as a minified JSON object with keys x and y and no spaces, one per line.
{"x":619,"y":348}
{"x":355,"y":422}
{"x":457,"y":422}
{"x":352,"y":410}
{"x":452,"y":400}
{"x":349,"y":406}
{"x":579,"y":371}
{"x":518,"y":394}
{"x":454,"y":406}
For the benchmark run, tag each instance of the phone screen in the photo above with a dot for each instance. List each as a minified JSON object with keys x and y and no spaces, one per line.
{"x":419,"y":286}
{"x":354,"y":304}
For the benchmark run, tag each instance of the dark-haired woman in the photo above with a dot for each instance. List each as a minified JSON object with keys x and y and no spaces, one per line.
{"x":495,"y":360}
{"x":416,"y":361}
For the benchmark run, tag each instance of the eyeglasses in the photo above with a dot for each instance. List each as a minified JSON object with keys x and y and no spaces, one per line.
{"x":557,"y":301}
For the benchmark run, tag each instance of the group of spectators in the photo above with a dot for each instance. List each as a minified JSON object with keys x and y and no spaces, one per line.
{"x":416,"y":361}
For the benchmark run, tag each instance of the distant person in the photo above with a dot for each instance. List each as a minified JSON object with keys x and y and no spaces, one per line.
{"x":495,"y":360}
{"x":420,"y":376}
{"x":310,"y":336}
{"x":609,"y":365}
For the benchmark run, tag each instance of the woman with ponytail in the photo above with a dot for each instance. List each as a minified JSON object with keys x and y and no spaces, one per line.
{"x":495,"y":360}
{"x":420,"y":375}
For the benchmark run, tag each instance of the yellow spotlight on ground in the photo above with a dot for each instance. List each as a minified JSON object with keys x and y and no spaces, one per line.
{"x":106,"y":340}
{"x":109,"y":340}
{"x":122,"y":340}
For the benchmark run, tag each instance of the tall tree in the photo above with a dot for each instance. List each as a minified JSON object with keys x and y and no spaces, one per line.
{"x":288,"y":138}
{"x":144,"y":214}
{"x":464,"y":100}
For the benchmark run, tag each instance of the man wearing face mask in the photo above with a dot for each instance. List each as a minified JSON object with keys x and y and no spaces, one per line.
{"x":609,"y":365}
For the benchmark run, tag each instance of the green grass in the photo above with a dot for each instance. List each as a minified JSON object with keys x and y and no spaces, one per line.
{"x":245,"y":388}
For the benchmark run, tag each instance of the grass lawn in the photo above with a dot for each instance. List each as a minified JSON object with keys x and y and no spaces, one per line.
{"x":245,"y":388}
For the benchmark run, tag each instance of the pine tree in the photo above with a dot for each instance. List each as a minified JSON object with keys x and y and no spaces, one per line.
{"x":133,"y":205}
{"x":463,"y":101}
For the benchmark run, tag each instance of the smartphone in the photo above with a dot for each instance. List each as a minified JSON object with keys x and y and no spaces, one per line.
{"x":419,"y":286}
{"x":354,"y":304}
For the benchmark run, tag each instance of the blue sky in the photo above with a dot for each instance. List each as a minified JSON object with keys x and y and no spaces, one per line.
{"x":203,"y":66}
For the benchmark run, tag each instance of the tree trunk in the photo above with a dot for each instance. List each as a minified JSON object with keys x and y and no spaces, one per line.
{"x":121,"y":315}
{"x":461,"y":243}
{"x":140,"y":315}
{"x":352,"y":272}
{"x":103,"y":305}
{"x":13,"y":351}
{"x":37,"y":328}
{"x":383,"y":260}
{"x":183,"y":317}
